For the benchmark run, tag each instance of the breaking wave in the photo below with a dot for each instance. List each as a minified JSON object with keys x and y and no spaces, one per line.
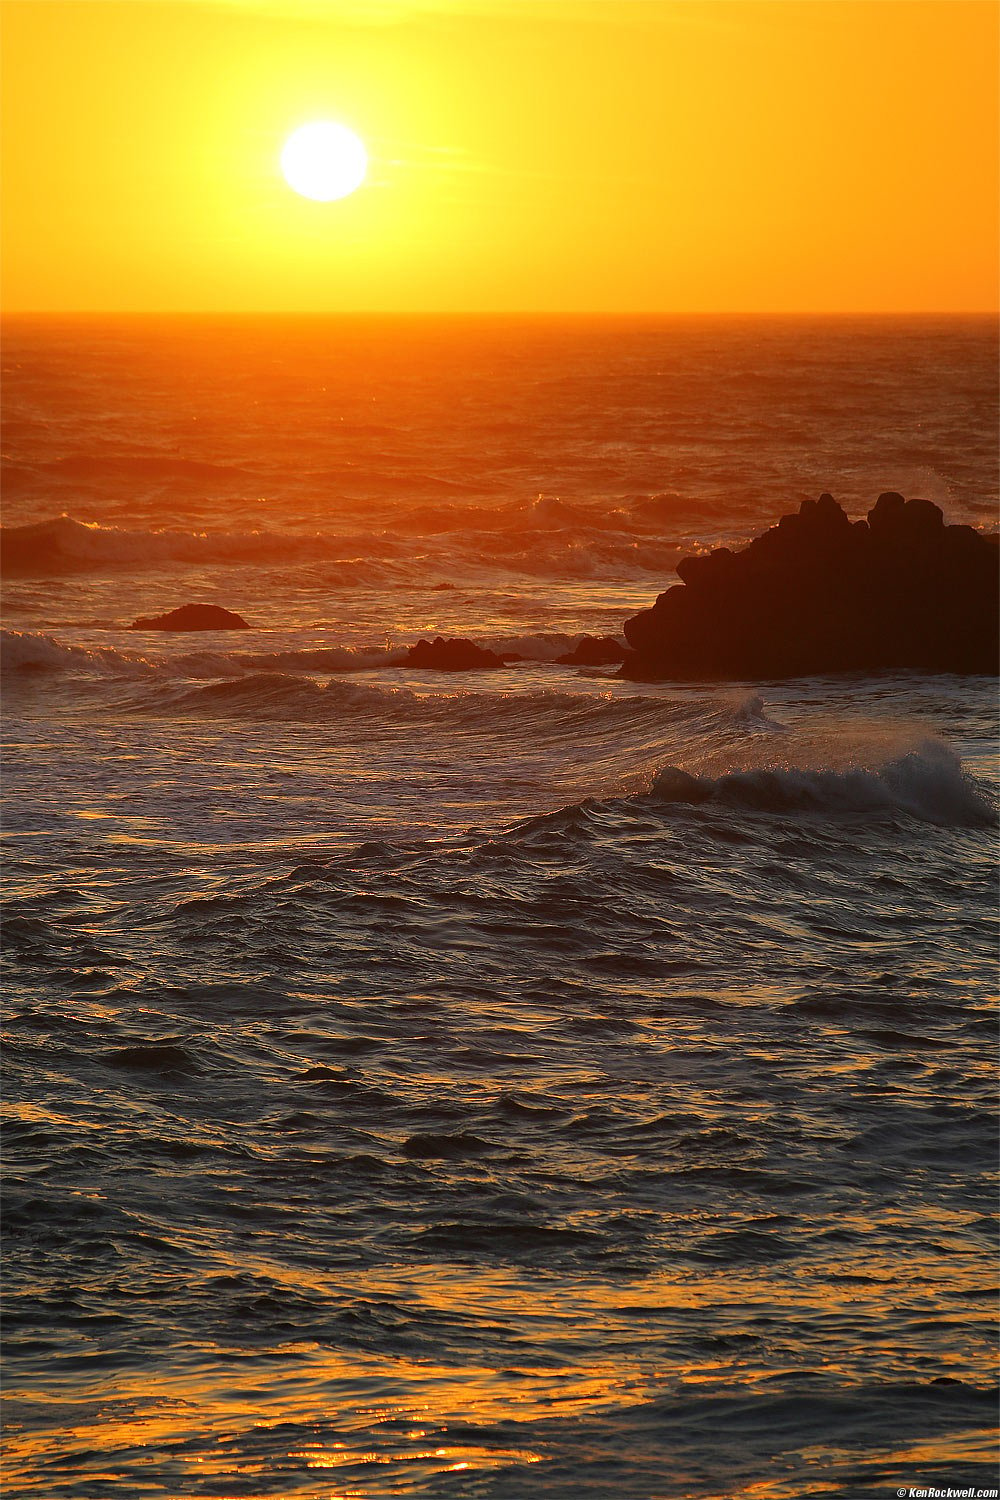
{"x":726,"y":751}
{"x":25,"y":651}
{"x":925,"y":782}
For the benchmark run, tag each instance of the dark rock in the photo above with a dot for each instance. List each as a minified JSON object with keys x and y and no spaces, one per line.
{"x":452,"y":655}
{"x":818,"y":593}
{"x":894,"y":520}
{"x":593,"y":651}
{"x":193,"y":617}
{"x":886,"y":513}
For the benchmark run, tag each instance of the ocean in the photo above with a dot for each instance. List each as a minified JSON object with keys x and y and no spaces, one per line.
{"x":414,"y":1085}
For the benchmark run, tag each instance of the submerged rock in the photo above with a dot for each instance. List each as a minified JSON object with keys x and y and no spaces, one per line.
{"x":593,"y":651}
{"x":819,"y":593}
{"x":452,"y":655}
{"x":193,"y":617}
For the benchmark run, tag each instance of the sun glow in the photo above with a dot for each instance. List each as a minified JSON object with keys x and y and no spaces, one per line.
{"x":498,"y":137}
{"x":324,"y":161}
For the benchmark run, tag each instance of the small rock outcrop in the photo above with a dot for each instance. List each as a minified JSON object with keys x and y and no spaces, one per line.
{"x":593,"y":651}
{"x":193,"y":617}
{"x":452,"y":655}
{"x":819,"y":593}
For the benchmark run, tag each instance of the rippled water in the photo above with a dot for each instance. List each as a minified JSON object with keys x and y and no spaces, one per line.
{"x":496,"y":1085}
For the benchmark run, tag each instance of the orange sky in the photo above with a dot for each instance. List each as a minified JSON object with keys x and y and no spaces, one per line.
{"x":605,"y":155}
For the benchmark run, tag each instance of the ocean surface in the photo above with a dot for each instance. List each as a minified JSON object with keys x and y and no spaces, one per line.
{"x":489,"y":1085}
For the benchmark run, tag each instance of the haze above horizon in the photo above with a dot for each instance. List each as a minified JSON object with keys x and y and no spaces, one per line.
{"x":634,"y":157}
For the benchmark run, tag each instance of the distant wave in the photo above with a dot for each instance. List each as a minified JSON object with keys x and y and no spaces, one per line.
{"x":65,"y":545}
{"x":99,"y":465}
{"x":249,"y":684}
{"x":24,"y":651}
{"x":372,"y":544}
{"x":34,"y":652}
{"x":269,"y":695}
{"x":551,"y":546}
{"x":567,"y":715}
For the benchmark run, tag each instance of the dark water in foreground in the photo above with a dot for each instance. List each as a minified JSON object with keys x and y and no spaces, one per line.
{"x":414,"y":1085}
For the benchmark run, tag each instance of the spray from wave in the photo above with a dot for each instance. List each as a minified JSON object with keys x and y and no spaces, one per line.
{"x":925,"y":782}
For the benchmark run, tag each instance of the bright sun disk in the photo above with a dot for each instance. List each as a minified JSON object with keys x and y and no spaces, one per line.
{"x":324,"y":161}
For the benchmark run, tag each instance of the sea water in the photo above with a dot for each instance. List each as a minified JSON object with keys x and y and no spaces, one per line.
{"x":503,"y":1084}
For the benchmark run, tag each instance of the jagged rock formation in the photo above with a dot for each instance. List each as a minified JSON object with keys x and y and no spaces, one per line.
{"x":593,"y":651}
{"x":193,"y":617}
{"x":818,"y":593}
{"x":453,"y":655}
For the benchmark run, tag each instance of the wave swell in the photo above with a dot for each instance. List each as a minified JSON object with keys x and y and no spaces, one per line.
{"x":540,"y":544}
{"x":64,"y":545}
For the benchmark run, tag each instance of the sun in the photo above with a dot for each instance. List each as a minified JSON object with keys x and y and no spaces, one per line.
{"x":324,"y":161}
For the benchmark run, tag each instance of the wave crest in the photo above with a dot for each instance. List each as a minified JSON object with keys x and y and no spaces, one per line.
{"x":553,"y":544}
{"x":64,"y":545}
{"x":26,"y":651}
{"x":926,"y":782}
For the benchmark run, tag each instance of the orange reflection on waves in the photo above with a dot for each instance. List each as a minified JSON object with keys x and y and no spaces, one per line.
{"x":336,"y":1456}
{"x":241,"y":1414}
{"x":210,"y":1421}
{"x":819,"y":1468}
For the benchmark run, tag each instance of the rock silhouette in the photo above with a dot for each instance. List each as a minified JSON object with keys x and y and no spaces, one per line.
{"x":593,"y":651}
{"x":193,"y":617}
{"x":819,"y":593}
{"x":453,"y":655}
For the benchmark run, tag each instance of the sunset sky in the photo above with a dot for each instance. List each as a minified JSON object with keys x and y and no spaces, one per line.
{"x":549,"y":155}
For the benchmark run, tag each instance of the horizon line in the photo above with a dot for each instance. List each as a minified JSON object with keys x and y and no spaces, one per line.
{"x":493,"y":312}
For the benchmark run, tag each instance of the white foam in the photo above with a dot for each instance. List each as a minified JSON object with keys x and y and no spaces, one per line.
{"x":25,"y":651}
{"x":925,"y":782}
